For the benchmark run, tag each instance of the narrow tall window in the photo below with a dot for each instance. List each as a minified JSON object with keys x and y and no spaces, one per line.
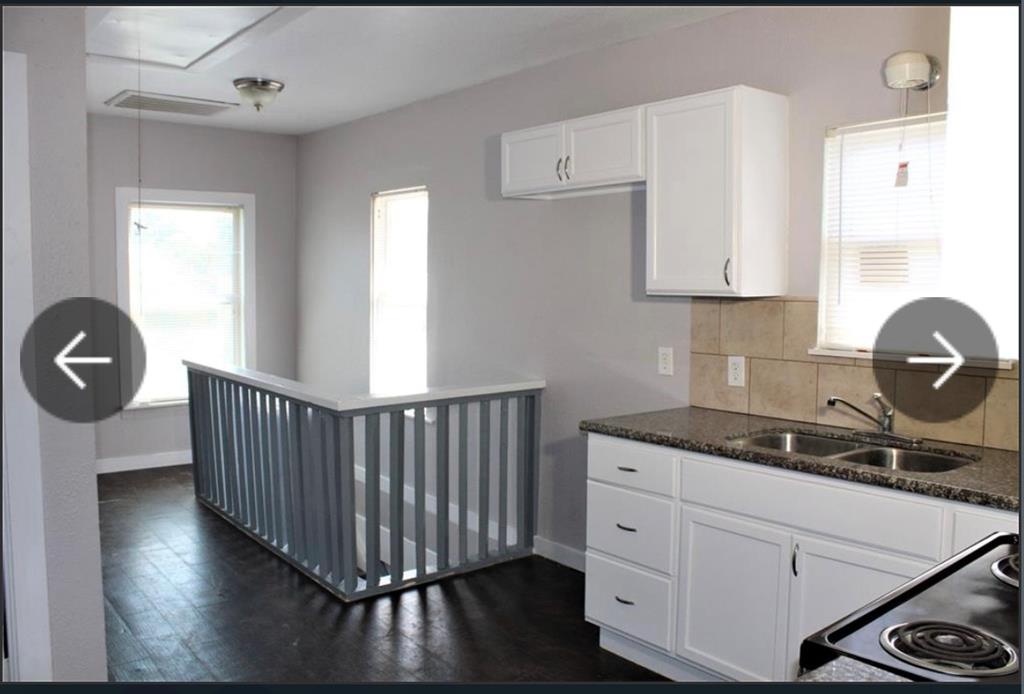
{"x":398,"y":322}
{"x":183,"y":283}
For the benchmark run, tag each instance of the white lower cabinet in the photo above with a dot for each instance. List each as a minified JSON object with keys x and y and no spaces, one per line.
{"x":752,"y":559}
{"x":733,"y":595}
{"x":630,"y":600}
{"x":829,"y":580}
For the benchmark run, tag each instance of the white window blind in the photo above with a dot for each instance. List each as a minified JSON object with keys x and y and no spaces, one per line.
{"x":882,"y":233}
{"x":398,"y":328}
{"x":185,"y":291}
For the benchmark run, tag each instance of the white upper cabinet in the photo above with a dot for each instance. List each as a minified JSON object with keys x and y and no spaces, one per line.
{"x":717,"y":194}
{"x":604,"y":149}
{"x":716,"y":169}
{"x":584,"y":156}
{"x":531,"y":160}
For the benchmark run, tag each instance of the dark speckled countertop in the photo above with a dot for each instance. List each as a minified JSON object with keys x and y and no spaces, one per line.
{"x":992,"y":479}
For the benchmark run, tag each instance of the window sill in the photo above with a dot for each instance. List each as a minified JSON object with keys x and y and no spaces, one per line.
{"x":138,"y":408}
{"x":1000,"y":364}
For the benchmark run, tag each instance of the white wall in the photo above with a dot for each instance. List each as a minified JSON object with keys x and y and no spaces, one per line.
{"x":192,"y":157}
{"x":555,"y":288}
{"x":53,"y":40}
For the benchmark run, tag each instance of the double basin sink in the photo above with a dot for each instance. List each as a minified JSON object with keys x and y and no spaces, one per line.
{"x":882,"y":456}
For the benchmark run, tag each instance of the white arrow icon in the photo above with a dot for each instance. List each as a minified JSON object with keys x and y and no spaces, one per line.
{"x":62,"y":360}
{"x":955,"y":360}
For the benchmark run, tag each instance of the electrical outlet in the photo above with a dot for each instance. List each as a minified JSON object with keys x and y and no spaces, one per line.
{"x":737,"y":375}
{"x":666,"y":362}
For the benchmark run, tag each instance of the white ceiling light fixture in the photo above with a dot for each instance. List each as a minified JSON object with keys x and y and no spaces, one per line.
{"x":911,"y":70}
{"x":258,"y":91}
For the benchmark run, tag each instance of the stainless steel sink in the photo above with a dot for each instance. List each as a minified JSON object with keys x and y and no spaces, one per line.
{"x":795,"y":442}
{"x":903,"y":459}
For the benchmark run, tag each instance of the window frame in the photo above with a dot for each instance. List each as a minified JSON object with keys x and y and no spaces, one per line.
{"x":373,"y":203}
{"x":125,"y":197}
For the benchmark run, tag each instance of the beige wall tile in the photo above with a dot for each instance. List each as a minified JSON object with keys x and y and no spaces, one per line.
{"x":752,"y":328}
{"x":708,"y":386}
{"x":1013,"y":373}
{"x":1002,"y":413}
{"x":800,"y":331}
{"x":704,"y":322}
{"x":853,"y":383}
{"x":914,"y":390}
{"x":785,"y":389}
{"x":900,"y":365}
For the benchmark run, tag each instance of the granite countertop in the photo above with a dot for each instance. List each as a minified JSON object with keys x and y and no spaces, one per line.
{"x":844,"y":669}
{"x":992,"y":479}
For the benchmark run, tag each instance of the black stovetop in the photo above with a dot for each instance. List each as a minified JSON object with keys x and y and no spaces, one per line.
{"x":961,"y":591}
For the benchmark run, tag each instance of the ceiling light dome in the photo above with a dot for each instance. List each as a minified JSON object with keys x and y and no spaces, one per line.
{"x":258,"y":91}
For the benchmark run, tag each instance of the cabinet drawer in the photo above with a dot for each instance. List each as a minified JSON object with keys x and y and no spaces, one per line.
{"x":629,"y":600}
{"x":630,"y":464}
{"x":634,"y":526}
{"x":873,"y":518}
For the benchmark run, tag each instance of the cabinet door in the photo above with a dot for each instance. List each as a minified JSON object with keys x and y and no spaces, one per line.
{"x":690,"y":196}
{"x":830,"y":580}
{"x":970,"y":527}
{"x":531,"y":160}
{"x":604,"y":149}
{"x":733,"y":595}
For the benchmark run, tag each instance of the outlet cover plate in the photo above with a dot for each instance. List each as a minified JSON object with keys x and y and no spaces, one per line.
{"x":737,"y":371}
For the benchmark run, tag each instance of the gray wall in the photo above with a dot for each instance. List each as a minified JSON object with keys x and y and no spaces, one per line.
{"x":54,"y":41}
{"x":555,"y":289}
{"x":197,"y":158}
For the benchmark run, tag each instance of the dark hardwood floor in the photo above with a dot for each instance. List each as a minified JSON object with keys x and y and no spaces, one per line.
{"x":189,"y":598}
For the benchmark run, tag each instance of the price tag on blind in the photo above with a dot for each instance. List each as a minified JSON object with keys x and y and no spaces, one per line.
{"x":902,"y":173}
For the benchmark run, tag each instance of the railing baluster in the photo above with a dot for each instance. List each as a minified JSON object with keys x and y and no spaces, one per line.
{"x":232,"y":457}
{"x":521,"y":458}
{"x":197,"y":487}
{"x":463,"y":481}
{"x":273,"y":480}
{"x":533,"y":469}
{"x":503,"y":477}
{"x":206,"y":429}
{"x":420,"y":481}
{"x":396,"y":495}
{"x":255,"y":483}
{"x":372,"y":490}
{"x":483,"y":502}
{"x":242,"y":453}
{"x":295,"y":480}
{"x":442,"y":486}
{"x":311,"y":484}
{"x":218,"y":441}
{"x":266,"y":467}
{"x":346,"y":467}
{"x":331,"y":496}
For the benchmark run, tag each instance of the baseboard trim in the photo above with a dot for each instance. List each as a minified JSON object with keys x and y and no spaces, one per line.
{"x":143,"y":462}
{"x":557,"y":552}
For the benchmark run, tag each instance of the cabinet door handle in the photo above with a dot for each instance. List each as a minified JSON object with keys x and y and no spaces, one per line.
{"x":627,"y":469}
{"x":725,"y":272}
{"x":558,"y":169}
{"x":628,"y":529}
{"x":624,"y":601}
{"x":796,"y":551}
{"x":566,"y":167}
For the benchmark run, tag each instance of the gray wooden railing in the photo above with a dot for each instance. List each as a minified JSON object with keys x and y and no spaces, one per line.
{"x":353,"y":492}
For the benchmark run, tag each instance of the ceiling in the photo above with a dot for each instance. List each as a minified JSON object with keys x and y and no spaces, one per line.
{"x":340,"y":63}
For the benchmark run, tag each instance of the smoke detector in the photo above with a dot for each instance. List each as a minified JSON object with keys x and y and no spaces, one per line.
{"x":258,"y":91}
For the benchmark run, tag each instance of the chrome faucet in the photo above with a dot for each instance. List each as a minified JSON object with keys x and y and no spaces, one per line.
{"x":883,"y":421}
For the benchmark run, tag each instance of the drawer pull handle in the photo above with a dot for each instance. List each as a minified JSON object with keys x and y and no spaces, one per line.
{"x":627,"y":469}
{"x":624,"y":601}
{"x":620,"y":526}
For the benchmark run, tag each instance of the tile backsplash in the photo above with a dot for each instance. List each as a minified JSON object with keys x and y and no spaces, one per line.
{"x":784,"y":381}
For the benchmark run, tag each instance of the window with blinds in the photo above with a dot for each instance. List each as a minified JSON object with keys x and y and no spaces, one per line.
{"x":398,"y":322}
{"x":882,"y":225}
{"x":185,"y":291}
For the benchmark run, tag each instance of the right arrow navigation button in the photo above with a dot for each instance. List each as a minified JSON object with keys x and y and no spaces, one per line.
{"x":955,"y":360}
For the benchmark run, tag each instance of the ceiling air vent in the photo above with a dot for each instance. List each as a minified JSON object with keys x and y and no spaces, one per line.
{"x":168,"y":103}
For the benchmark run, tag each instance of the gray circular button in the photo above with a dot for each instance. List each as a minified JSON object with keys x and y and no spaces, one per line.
{"x":83,"y":359}
{"x":937,"y":336}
